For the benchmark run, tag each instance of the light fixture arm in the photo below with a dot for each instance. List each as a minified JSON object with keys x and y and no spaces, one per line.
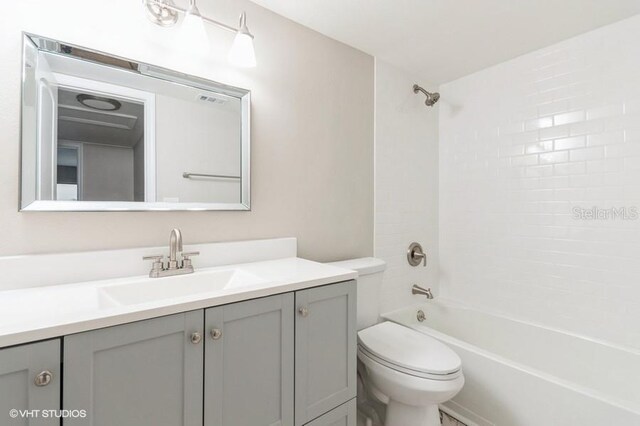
{"x":166,"y":14}
{"x":173,"y":8}
{"x":193,"y":9}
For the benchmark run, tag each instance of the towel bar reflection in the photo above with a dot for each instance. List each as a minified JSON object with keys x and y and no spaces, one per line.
{"x":188,"y":175}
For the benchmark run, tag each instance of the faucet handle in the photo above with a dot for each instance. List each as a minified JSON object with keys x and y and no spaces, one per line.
{"x":186,"y":258}
{"x":157,"y":266}
{"x":416,"y":255}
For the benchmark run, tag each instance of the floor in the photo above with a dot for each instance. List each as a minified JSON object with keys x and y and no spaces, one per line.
{"x":448,"y":420}
{"x":445,"y":418}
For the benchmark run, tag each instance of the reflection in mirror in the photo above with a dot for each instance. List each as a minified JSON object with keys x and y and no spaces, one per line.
{"x":67,"y":184}
{"x":100,"y":147}
{"x":103,"y":133}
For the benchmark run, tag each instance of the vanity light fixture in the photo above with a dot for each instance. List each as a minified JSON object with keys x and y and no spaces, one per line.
{"x":193,"y":28}
{"x":241,"y":53}
{"x":165,"y":14}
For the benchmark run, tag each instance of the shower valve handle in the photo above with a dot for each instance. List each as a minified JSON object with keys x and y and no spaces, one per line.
{"x":415,"y":255}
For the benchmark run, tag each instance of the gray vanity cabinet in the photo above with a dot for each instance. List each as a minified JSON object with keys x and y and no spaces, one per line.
{"x":325,"y":349}
{"x":344,"y":415}
{"x":30,"y":380}
{"x":249,"y":367}
{"x":147,"y":373}
{"x":283,"y":360}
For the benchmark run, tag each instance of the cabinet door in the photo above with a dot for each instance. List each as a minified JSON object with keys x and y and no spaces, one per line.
{"x":325,"y":349}
{"x":147,"y":373}
{"x":344,"y":415}
{"x":20,"y":367}
{"x":249,"y":363}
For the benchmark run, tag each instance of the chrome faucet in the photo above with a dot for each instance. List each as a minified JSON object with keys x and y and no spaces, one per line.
{"x":416,"y":289}
{"x":179,"y":262}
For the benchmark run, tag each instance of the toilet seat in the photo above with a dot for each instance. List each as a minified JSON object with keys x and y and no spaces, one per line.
{"x":408,"y":351}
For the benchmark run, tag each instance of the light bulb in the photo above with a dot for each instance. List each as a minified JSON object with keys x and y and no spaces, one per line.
{"x":193,"y":31}
{"x":242,"y":53}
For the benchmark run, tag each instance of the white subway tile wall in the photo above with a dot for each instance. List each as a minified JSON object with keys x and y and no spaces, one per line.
{"x":523,"y":146}
{"x":406,"y":182}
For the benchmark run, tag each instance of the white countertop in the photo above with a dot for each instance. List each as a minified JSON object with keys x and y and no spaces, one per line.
{"x":38,"y":313}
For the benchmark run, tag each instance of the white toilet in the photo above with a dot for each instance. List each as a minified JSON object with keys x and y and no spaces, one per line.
{"x":408,"y":371}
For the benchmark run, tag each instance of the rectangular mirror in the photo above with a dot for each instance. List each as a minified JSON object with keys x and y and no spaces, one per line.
{"x":102,"y":133}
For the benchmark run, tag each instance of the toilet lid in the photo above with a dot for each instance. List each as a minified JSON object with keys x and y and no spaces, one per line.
{"x":410,"y":349}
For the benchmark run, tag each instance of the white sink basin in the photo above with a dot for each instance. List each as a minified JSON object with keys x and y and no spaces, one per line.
{"x":179,"y":286}
{"x":18,"y":307}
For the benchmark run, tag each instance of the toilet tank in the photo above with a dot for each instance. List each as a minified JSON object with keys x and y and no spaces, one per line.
{"x":370,"y":271}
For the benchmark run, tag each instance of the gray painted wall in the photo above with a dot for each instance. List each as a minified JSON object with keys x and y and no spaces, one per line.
{"x":138,"y":170}
{"x":312,"y":130}
{"x":107,"y":173}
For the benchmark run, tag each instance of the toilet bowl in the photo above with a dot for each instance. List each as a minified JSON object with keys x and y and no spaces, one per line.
{"x":410,"y":372}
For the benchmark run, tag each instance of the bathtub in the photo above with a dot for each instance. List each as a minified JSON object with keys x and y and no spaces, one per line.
{"x":517,"y":373}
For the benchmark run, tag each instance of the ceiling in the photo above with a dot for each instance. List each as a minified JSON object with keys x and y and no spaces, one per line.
{"x":442,"y":40}
{"x":76,"y":122}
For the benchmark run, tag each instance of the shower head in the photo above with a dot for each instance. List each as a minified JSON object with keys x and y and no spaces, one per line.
{"x":432,"y":97}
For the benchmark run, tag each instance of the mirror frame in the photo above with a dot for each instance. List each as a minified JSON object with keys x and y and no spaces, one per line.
{"x":175,"y":77}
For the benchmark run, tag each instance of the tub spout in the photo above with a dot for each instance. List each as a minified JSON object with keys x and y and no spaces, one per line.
{"x":416,"y":289}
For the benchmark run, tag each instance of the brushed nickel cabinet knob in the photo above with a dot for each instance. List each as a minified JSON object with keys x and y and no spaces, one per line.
{"x":216,"y":333}
{"x":196,"y":338}
{"x":304,"y":312}
{"x":43,"y":379}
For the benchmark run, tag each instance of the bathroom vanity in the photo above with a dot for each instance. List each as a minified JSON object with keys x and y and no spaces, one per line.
{"x":276,"y":350}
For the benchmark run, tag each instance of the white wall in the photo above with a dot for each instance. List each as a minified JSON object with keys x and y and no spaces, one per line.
{"x":406,"y":181}
{"x":522,"y":144}
{"x":210,"y":144}
{"x":312,"y":130}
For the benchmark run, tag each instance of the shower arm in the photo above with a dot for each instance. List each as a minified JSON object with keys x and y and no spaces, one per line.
{"x":417,"y":89}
